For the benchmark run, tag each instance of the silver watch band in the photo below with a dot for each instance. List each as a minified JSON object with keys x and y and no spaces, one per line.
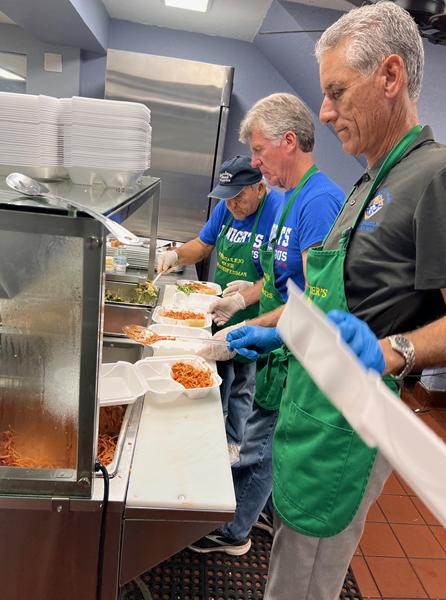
{"x":403,"y":346}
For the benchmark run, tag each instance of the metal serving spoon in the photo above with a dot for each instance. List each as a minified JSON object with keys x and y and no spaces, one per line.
{"x":30,"y":187}
{"x":169,"y":270}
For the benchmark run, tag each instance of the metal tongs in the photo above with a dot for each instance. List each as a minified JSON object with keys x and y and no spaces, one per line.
{"x":30,"y":187}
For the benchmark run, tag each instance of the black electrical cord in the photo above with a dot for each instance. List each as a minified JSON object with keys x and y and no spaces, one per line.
{"x":98,"y":466}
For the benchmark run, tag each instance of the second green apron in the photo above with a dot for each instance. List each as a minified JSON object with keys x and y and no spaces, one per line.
{"x":271,"y":368}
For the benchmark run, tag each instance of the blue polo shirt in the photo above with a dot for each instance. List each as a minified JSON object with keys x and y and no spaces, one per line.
{"x":240,"y":231}
{"x":309,"y":220}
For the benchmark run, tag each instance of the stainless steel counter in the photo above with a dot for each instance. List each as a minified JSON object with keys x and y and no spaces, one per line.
{"x":180,"y":485}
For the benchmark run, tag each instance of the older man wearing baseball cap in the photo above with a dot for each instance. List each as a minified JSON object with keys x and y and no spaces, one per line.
{"x":238,"y":226}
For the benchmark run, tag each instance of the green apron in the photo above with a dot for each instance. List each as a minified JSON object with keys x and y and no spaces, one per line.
{"x":272,"y":368}
{"x":234,"y":261}
{"x":321,"y":466}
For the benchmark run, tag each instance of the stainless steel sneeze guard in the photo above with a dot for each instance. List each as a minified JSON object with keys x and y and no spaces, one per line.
{"x":50,"y":298}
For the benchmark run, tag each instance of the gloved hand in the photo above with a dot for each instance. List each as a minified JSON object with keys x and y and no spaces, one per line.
{"x":218,"y":351}
{"x":361,"y":339}
{"x":222,"y":309}
{"x":166,"y":260}
{"x":252,"y":340}
{"x":236,"y":286}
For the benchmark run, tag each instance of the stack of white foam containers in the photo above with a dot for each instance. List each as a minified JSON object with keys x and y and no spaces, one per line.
{"x":91,"y":140}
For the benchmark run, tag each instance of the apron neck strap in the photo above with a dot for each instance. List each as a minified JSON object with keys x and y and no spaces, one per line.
{"x":389,"y":162}
{"x":306,"y":176}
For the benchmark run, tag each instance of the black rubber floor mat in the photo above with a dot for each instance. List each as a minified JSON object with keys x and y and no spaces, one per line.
{"x":215,"y":576}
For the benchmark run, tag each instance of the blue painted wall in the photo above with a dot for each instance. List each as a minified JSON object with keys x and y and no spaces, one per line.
{"x":77,"y":23}
{"x":95,"y":17}
{"x":15,"y":39}
{"x":292,"y":55}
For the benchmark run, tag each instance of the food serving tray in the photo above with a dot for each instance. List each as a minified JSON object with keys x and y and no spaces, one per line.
{"x":116,"y":315}
{"x":112,"y":468}
{"x":126,"y":290}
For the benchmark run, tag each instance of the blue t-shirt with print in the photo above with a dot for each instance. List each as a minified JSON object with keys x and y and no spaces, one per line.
{"x":309,"y":220}
{"x":240,"y":231}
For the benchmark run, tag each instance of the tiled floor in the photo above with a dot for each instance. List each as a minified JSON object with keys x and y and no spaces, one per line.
{"x":402,"y":554}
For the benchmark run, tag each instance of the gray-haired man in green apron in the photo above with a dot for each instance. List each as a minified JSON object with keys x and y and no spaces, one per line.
{"x":280,"y":131}
{"x":237,"y":227}
{"x":383,"y":261}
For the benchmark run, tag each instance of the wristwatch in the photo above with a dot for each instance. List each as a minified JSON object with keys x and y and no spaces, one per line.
{"x":403,"y":346}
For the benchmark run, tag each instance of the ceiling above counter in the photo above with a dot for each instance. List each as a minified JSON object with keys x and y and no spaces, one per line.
{"x":224,"y":18}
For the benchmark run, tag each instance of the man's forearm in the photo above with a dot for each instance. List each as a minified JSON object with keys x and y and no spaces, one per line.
{"x":430,"y":348}
{"x":268,"y":319}
{"x":193,"y":251}
{"x":251,"y":294}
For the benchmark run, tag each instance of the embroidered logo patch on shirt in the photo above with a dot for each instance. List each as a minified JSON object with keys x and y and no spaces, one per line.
{"x":375,"y":205}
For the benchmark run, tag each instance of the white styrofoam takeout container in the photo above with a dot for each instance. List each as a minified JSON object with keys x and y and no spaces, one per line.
{"x":186,"y":301}
{"x":156,"y":372}
{"x":119,"y":383}
{"x":178,"y":347}
{"x":210,"y":284}
{"x":157,"y":316}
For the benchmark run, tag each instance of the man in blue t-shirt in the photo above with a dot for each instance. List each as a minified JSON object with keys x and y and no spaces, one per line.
{"x":238,"y":226}
{"x":280,"y":131}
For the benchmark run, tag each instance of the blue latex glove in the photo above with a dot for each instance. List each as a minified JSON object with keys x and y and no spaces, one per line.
{"x":361,"y":339}
{"x":252,"y":340}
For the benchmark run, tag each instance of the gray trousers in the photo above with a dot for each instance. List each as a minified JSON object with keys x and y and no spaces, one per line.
{"x":310,"y":568}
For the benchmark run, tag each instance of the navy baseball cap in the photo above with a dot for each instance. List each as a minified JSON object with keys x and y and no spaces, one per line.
{"x":235,"y":174}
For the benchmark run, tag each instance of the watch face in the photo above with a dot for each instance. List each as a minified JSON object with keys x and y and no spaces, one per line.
{"x":403,"y":343}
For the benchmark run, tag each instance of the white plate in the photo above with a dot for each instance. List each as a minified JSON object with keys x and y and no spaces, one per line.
{"x":157,"y":317}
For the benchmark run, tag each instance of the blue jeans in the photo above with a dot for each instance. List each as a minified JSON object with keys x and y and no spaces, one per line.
{"x":237,"y":395}
{"x":252,"y":475}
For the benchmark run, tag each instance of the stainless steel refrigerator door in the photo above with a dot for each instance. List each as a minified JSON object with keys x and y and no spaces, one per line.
{"x":186,"y":100}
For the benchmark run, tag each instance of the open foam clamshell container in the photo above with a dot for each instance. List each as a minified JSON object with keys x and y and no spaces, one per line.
{"x":119,"y":383}
{"x":156,"y":372}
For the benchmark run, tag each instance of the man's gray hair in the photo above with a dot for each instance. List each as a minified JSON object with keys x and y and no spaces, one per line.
{"x":374,"y":32}
{"x":277,"y":114}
